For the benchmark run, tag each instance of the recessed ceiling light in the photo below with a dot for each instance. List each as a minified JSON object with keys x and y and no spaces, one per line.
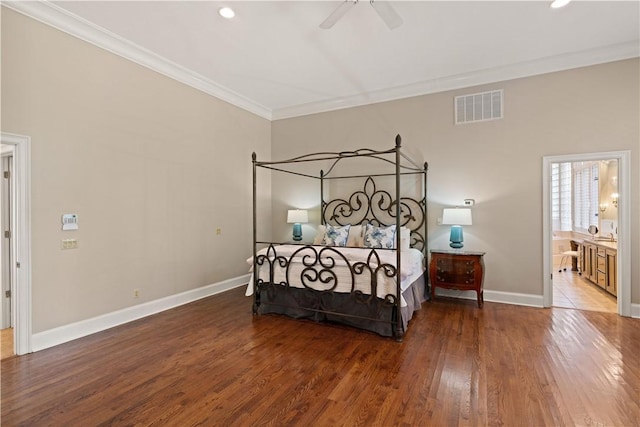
{"x":226,"y":12}
{"x":556,"y":4}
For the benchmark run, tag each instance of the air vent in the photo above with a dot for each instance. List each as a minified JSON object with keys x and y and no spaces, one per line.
{"x":479,"y":107}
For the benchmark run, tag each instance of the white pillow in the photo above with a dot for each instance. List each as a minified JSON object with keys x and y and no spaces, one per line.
{"x":355,"y":238}
{"x":380,"y":237}
{"x":319,"y":235}
{"x":405,"y":238}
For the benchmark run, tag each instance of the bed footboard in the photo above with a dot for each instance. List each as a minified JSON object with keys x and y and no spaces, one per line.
{"x":322,"y":284}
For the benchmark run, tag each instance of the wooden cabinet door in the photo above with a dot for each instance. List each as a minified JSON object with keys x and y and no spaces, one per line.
{"x":601,"y":267}
{"x":591,"y":263}
{"x":581,"y":259}
{"x":612,"y":272}
{"x":593,"y":253}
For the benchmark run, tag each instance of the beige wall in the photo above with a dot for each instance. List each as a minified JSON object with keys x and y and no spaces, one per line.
{"x":151,"y":166}
{"x":497,"y":163}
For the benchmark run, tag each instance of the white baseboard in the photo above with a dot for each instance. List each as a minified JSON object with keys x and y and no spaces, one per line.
{"x":511,"y":298}
{"x":76,"y":330}
{"x":72,"y":331}
{"x":495,"y":296}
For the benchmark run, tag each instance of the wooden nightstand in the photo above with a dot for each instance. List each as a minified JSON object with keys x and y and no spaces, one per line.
{"x":457,"y":269}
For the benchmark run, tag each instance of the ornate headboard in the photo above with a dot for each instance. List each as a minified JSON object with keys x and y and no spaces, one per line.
{"x":377,"y":207}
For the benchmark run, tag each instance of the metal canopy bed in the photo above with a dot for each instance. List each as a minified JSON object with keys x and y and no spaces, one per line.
{"x":362,"y":283}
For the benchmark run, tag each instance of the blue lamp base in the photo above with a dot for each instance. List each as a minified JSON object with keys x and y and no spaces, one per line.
{"x":297,"y":232}
{"x":456,"y":237}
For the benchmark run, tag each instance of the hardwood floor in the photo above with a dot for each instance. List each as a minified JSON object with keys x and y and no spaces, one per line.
{"x":6,"y":343}
{"x":570,"y":290}
{"x":211,"y":363}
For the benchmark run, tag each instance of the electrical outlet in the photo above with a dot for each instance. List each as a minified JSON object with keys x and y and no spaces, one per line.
{"x":136,"y":293}
{"x":218,"y":231}
{"x":69,"y":244}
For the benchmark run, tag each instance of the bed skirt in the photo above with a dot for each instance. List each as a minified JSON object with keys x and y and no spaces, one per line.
{"x":344,"y":308}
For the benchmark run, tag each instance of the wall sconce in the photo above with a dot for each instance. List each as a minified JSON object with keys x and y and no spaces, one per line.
{"x":296,"y":217}
{"x":603,"y":207}
{"x":614,"y":199}
{"x":456,"y":218}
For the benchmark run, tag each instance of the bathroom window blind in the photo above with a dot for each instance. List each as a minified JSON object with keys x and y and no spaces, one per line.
{"x":585,"y":195}
{"x":561,"y":196}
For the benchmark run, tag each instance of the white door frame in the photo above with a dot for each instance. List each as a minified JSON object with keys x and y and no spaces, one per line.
{"x":21,"y":299}
{"x":624,"y":224}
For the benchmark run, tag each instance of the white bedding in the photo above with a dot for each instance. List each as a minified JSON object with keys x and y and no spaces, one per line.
{"x":411,"y":269}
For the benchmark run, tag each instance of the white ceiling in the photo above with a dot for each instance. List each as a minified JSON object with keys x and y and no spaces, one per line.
{"x":274,"y":60}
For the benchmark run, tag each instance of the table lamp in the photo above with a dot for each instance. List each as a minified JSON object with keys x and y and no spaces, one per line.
{"x":297,"y":217}
{"x":456,"y":218}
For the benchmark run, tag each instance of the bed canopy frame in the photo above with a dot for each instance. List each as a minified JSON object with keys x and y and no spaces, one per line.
{"x":366,"y":205}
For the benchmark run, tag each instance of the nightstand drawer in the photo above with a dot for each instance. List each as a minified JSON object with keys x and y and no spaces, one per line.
{"x":453,"y":271}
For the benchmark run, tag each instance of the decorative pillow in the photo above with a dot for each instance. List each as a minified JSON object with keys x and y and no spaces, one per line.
{"x":380,"y":237}
{"x":355,"y":239}
{"x":336,"y":236}
{"x":405,"y":238}
{"x":319,"y":235}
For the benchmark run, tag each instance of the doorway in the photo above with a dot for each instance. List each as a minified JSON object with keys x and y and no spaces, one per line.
{"x":7,"y":224}
{"x":18,"y":262}
{"x":584,"y":222}
{"x":618,"y":265}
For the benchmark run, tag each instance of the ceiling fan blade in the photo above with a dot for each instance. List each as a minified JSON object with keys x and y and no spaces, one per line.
{"x":337,"y":14}
{"x":387,"y":13}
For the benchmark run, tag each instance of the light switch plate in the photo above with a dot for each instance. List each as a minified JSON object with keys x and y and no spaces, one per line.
{"x":70,"y":222}
{"x":69,"y":244}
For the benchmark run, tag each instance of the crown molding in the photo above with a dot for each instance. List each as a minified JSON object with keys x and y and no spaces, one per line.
{"x":491,"y":75}
{"x":59,"y":18}
{"x":69,"y":23}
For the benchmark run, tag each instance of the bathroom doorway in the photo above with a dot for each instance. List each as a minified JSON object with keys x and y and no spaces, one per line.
{"x":586,"y":232}
{"x":584,"y":224}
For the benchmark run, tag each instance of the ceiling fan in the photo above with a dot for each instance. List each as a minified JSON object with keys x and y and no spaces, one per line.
{"x":384,"y":9}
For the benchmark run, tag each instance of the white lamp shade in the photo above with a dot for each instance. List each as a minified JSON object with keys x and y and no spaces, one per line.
{"x":297,"y":215}
{"x":456,"y":216}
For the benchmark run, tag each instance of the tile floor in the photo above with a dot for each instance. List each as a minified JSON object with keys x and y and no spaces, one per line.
{"x":570,"y":290}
